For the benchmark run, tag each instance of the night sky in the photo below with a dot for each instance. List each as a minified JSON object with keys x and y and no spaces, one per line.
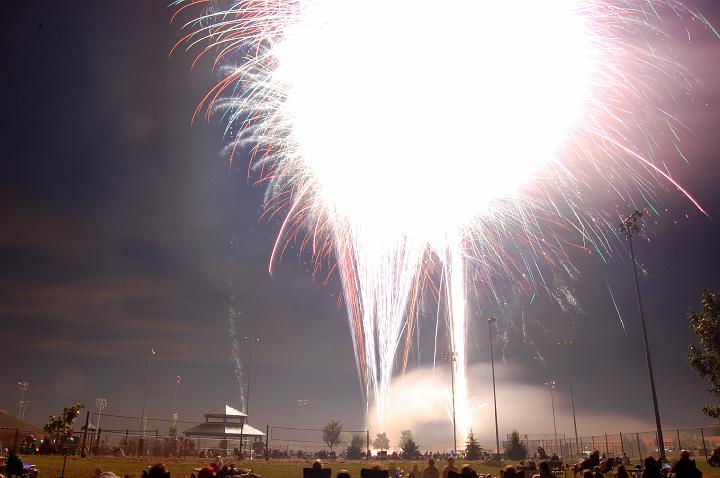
{"x":125,"y":229}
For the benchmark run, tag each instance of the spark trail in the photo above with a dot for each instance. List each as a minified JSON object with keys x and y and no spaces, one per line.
{"x":425,"y":146}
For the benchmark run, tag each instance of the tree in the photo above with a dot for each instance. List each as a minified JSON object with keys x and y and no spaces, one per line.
{"x":382,"y":442}
{"x":64,"y":423}
{"x":515,"y":449}
{"x":331,"y":433}
{"x":472,"y":448}
{"x":355,"y":450}
{"x":706,"y":359}
{"x":409,"y":448}
{"x":405,"y":435}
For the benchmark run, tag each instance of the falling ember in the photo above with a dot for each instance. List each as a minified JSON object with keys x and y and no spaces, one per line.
{"x":419,"y":142}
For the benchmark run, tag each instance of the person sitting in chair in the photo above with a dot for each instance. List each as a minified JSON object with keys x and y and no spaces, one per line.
{"x":714,"y":459}
{"x":14,"y":465}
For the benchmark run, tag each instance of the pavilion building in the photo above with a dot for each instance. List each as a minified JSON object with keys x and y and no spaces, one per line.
{"x":226,"y":428}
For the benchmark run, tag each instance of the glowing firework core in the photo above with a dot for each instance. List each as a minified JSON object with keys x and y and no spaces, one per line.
{"x":416,"y":116}
{"x":406,"y":135}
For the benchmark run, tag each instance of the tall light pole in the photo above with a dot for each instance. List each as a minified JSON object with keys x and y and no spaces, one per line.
{"x":250,"y":341}
{"x":173,"y":414}
{"x":23,"y":385}
{"x":551,"y":386}
{"x":628,"y":227}
{"x":143,"y":421}
{"x":451,"y":357}
{"x":570,"y":343}
{"x":491,"y":320}
{"x":100,"y":403}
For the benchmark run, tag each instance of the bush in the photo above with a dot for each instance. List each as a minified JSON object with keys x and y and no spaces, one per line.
{"x":355,"y":450}
{"x":515,"y":449}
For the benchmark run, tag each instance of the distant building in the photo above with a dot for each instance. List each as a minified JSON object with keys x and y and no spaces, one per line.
{"x":14,"y":431}
{"x":226,"y":428}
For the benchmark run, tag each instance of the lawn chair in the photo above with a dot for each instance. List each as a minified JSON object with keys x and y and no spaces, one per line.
{"x":371,"y":473}
{"x":321,"y":473}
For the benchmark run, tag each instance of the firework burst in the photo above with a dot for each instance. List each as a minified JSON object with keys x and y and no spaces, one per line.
{"x":426,"y":146}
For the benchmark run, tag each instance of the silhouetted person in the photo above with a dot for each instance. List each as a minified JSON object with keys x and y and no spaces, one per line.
{"x":14,"y":465}
{"x":156,"y":471}
{"x":714,"y":459}
{"x":621,"y":472}
{"x":431,"y":471}
{"x":544,"y":469}
{"x":449,"y":467}
{"x":467,"y":472}
{"x":510,"y":472}
{"x":343,"y":474}
{"x":685,"y":467}
{"x":652,"y":468}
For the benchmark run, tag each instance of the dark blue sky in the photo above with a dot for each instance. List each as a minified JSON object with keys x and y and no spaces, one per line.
{"x":123,"y":229}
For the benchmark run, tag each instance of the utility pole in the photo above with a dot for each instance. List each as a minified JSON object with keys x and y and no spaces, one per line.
{"x":174,"y":414}
{"x":143,"y":420}
{"x":250,"y":341}
{"x":571,"y":343}
{"x":451,"y":357}
{"x":23,"y":385}
{"x":551,"y":386}
{"x":491,"y":320}
{"x":100,"y":403}
{"x":178,"y":380}
{"x":628,"y":227}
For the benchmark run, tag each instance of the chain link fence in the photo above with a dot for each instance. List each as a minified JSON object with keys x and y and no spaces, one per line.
{"x":700,"y":441}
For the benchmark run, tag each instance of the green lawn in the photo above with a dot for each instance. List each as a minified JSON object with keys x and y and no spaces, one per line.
{"x":50,"y":467}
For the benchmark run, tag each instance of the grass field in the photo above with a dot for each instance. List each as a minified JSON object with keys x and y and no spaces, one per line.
{"x":50,"y":467}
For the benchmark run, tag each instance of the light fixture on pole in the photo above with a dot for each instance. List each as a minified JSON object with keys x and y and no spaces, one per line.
{"x":22,"y":404}
{"x":451,"y":357}
{"x":628,"y":227}
{"x":551,"y":385}
{"x":250,"y":341}
{"x":302,"y":405}
{"x":491,"y":320}
{"x":570,"y":343}
{"x":100,"y":403}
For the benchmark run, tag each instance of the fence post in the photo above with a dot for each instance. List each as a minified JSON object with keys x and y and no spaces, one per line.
{"x":622,"y":445}
{"x":637,"y":435}
{"x":678,"y":437}
{"x":267,"y":437}
{"x":82,"y":449}
{"x":607,"y":451}
{"x":592,"y":437}
{"x":703,"y":440}
{"x":97,"y":444}
{"x":15,"y":439}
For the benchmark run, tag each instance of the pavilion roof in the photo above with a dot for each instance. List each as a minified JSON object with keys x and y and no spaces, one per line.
{"x":225,"y":411}
{"x":223,"y":430}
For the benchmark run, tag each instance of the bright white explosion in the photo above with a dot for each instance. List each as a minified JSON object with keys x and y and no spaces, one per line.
{"x":419,"y":142}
